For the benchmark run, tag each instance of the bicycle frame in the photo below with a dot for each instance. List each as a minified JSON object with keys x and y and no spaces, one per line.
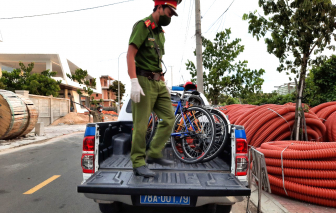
{"x":179,"y":108}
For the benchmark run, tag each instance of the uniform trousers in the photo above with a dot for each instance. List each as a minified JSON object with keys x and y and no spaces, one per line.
{"x":157,"y":99}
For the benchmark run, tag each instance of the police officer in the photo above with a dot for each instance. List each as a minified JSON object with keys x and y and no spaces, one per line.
{"x":98,"y":116}
{"x":148,"y":89}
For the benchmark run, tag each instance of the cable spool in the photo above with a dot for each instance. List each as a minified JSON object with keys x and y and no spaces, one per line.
{"x":18,"y":115}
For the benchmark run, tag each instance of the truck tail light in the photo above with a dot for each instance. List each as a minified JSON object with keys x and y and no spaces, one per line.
{"x":89,"y":143}
{"x":241,"y":157}
{"x":87,"y":163}
{"x":241,"y":165}
{"x":241,"y":146}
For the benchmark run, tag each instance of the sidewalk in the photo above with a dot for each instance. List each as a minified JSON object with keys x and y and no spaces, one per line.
{"x":279,"y":204}
{"x":49,"y":133}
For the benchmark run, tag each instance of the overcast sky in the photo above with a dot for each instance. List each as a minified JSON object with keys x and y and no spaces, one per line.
{"x":94,"y":39}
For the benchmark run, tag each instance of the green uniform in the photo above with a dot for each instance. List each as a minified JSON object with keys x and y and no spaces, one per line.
{"x":156,"y":98}
{"x":97,"y":116}
{"x":142,"y":37}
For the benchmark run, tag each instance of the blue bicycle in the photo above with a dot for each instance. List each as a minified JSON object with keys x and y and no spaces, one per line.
{"x":194,"y":130}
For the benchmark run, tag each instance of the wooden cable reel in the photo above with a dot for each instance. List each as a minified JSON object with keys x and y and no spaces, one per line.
{"x":18,"y":115}
{"x":33,"y":115}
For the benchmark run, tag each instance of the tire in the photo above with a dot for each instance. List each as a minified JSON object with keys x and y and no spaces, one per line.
{"x":222,"y":135}
{"x":152,"y":124}
{"x":214,"y":208}
{"x":110,"y":208}
{"x":193,"y":146}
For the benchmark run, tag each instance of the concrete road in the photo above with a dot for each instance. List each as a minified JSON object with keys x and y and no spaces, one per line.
{"x":43,"y":178}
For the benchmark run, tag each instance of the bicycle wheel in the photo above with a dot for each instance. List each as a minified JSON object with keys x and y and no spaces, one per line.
{"x":193,"y":134}
{"x":222,"y":134}
{"x":151,"y":128}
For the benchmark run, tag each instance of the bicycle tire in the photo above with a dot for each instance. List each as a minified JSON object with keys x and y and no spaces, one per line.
{"x":222,"y":135}
{"x":198,"y":137}
{"x":151,"y":128}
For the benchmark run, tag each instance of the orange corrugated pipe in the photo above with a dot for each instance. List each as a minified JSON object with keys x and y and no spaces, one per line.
{"x":307,"y":190}
{"x":323,"y":183}
{"x":307,"y":198}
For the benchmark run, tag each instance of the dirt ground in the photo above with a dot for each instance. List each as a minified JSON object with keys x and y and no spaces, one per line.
{"x":78,"y":118}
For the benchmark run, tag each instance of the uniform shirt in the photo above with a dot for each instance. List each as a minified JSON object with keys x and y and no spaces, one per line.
{"x":97,"y":116}
{"x":147,"y":57}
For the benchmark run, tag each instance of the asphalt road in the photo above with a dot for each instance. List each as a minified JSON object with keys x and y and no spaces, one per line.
{"x":24,"y":168}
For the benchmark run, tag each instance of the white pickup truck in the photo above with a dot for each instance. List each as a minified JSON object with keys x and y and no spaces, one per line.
{"x":108,"y":177}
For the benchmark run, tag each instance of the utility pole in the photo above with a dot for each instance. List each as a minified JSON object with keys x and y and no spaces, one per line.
{"x":171,"y":67}
{"x":199,"y":57}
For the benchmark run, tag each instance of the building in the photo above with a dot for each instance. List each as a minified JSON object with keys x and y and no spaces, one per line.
{"x":106,"y":95}
{"x":285,"y":89}
{"x":57,"y":63}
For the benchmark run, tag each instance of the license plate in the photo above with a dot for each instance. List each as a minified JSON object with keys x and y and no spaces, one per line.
{"x":154,"y":199}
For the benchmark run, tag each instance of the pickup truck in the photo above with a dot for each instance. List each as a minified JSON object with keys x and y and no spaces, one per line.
{"x":108,"y":177}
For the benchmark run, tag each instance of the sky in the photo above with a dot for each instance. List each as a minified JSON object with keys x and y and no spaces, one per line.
{"x":94,"y":39}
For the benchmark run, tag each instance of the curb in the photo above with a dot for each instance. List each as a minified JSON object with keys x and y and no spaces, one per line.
{"x":268,"y":203}
{"x":36,"y":139}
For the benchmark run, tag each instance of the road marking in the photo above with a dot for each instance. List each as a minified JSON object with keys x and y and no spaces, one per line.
{"x":44,"y":183}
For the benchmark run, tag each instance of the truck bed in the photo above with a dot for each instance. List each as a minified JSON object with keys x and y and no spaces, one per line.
{"x":123,"y":162}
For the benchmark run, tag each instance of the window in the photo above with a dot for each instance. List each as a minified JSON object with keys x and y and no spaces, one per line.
{"x":96,"y":95}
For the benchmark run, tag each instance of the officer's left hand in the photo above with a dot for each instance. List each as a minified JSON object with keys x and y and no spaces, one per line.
{"x":169,"y":91}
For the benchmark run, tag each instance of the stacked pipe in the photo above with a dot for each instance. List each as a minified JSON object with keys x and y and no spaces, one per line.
{"x":309,"y":171}
{"x":272,"y":122}
{"x":234,"y":111}
{"x":327,"y":113}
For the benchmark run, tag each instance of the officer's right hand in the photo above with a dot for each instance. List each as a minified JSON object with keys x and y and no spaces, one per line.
{"x":136,"y":90}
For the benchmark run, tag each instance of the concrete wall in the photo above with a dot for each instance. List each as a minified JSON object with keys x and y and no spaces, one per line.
{"x":49,"y":108}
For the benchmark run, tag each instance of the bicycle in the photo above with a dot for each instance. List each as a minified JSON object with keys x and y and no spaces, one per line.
{"x":194,"y":132}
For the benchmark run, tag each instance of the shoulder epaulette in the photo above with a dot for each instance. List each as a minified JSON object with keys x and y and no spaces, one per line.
{"x":147,"y":23}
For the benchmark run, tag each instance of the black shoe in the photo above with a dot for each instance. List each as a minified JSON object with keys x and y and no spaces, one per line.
{"x":161,"y":161}
{"x":143,"y":171}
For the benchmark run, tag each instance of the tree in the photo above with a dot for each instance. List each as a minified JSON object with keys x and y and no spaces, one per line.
{"x":114,"y":88}
{"x":224,"y":74}
{"x":35,"y":83}
{"x":297,"y":29}
{"x":321,"y":83}
{"x":80,"y":76}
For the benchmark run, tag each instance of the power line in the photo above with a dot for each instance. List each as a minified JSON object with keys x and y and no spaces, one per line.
{"x":209,"y":9}
{"x":220,"y":16}
{"x":70,"y":11}
{"x":186,"y":35}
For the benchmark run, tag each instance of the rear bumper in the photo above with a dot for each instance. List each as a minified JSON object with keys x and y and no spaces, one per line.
{"x":131,"y":200}
{"x":165,"y":183}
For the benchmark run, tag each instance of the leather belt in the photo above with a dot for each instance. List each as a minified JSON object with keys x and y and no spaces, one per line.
{"x":154,"y":76}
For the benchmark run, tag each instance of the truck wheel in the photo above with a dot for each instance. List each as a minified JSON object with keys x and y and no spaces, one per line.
{"x":214,"y":208}
{"x":110,"y":208}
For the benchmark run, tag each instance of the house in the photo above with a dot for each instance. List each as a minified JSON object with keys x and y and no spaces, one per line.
{"x":106,"y":95}
{"x":286,"y":88}
{"x":57,"y":63}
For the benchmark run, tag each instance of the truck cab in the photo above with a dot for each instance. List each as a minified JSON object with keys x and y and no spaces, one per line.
{"x":108,"y":177}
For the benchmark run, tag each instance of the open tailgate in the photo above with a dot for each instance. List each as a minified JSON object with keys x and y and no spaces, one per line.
{"x":165,"y":183}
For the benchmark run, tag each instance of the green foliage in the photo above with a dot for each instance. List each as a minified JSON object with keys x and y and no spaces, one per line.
{"x":114,"y":89}
{"x":96,"y":102}
{"x":297,"y":28}
{"x":227,"y":100}
{"x":269,"y":98}
{"x":2,"y":85}
{"x":80,"y":76}
{"x":321,"y":83}
{"x":224,"y":74}
{"x":23,"y":79}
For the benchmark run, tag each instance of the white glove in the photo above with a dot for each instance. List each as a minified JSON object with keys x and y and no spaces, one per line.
{"x":136,"y":90}
{"x":168,"y":88}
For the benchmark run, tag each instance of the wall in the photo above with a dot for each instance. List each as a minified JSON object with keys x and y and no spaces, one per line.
{"x":50,"y":108}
